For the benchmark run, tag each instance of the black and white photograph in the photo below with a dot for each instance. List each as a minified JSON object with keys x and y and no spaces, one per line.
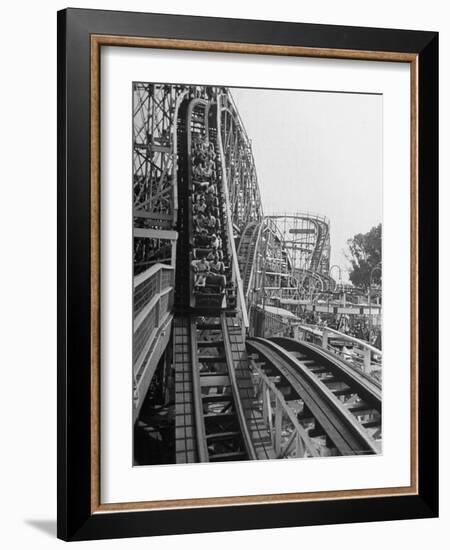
{"x":257,"y":274}
{"x":222,"y":317}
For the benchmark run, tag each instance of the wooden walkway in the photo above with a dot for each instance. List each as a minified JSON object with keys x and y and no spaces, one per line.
{"x":185,"y":436}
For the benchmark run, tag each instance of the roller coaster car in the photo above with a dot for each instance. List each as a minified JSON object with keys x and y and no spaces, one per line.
{"x":209,"y":290}
{"x":211,"y":296}
{"x":209,"y":300}
{"x":204,"y":295}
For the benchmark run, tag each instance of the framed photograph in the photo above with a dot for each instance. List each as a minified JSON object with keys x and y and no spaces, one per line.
{"x":247,"y":255}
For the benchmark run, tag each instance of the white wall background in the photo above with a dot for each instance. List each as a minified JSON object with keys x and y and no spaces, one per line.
{"x":28,"y":274}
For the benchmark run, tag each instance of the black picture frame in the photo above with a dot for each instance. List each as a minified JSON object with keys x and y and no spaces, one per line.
{"x":76,"y":521}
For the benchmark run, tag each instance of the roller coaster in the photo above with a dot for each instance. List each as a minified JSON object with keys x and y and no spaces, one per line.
{"x":306,"y":236}
{"x":207,"y":386}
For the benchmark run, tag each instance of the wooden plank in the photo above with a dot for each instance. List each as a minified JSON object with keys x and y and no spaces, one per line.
{"x":211,"y":380}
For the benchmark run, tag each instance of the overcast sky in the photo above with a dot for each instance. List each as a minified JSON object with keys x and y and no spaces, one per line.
{"x":318,"y":152}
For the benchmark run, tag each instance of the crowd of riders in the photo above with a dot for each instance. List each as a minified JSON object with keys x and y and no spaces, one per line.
{"x":207,"y":252}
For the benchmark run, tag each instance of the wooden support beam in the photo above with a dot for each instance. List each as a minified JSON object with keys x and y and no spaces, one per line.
{"x":213,"y":380}
{"x":155,"y":234}
{"x":157,"y":216}
{"x":278,"y":425}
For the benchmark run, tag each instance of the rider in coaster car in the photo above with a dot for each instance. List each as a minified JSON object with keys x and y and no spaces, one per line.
{"x":199,"y":222}
{"x":201,"y":187}
{"x":215,"y":279}
{"x":211,"y":200}
{"x":211,"y":223}
{"x":203,"y":240}
{"x":215,"y":241}
{"x":200,"y":206}
{"x":214,"y":211}
{"x":201,"y":269}
{"x":216,"y":265}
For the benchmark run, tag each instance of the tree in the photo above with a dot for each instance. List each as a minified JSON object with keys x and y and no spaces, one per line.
{"x":365,"y":255}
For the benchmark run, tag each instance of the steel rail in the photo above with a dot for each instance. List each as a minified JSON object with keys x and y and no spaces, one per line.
{"x":364,"y":385}
{"x":202,"y":447}
{"x":348,"y":436}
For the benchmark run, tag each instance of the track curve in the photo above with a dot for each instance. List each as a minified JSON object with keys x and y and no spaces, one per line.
{"x":331,"y":404}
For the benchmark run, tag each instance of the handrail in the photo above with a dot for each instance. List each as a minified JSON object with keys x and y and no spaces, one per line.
{"x":140,"y":317}
{"x":154,"y":300}
{"x":343,"y":336}
{"x":363,"y":353}
{"x":362,"y":343}
{"x":150,"y":345}
{"x":142,"y":277}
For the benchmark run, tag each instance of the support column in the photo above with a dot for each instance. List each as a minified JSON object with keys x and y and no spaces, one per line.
{"x":325,"y":339}
{"x":367,"y":363}
{"x":278,"y":426}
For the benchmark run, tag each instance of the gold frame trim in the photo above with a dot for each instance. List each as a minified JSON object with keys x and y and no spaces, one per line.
{"x":97,"y":41}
